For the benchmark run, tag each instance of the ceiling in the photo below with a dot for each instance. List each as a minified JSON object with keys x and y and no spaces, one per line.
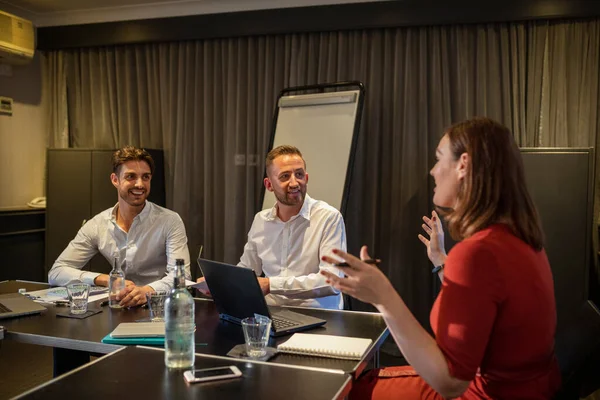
{"x":46,"y":6}
{"x":71,"y":12}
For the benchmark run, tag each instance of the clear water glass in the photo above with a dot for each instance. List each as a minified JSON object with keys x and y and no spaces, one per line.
{"x":156,"y":304}
{"x":256,"y":334}
{"x":78,"y":296}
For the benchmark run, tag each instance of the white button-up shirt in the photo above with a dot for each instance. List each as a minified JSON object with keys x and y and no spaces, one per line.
{"x":289,"y":253}
{"x":147,"y":252}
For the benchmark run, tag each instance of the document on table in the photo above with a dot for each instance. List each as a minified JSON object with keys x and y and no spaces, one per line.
{"x":52,"y":295}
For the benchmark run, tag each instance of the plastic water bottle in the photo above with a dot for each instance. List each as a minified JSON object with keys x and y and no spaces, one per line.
{"x":179,"y":323}
{"x":116,"y":283}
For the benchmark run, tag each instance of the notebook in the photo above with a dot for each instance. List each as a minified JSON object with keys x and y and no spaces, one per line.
{"x":149,"y":341}
{"x":139,"y":329}
{"x":347,"y":348}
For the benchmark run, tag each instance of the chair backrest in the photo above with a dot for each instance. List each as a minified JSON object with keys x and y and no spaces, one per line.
{"x":577,"y":347}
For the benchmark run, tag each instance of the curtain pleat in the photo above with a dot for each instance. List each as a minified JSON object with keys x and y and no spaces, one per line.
{"x":54,"y":90}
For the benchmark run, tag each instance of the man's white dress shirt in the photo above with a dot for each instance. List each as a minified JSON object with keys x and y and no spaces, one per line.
{"x":147,"y":252}
{"x":289,"y":253}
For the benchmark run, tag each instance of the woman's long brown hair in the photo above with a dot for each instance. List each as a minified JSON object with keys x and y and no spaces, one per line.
{"x":494,"y":188}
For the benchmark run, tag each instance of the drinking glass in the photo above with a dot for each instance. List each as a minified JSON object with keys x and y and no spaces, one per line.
{"x":78,"y":297}
{"x":256,"y":334}
{"x":156,"y":304}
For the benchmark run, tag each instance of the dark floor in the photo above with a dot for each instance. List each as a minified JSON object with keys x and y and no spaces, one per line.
{"x":22,"y":367}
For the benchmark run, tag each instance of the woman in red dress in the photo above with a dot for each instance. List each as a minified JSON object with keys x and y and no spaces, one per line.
{"x":495,"y":317}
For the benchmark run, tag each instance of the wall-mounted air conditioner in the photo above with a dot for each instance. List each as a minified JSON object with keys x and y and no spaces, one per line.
{"x":17,"y":39}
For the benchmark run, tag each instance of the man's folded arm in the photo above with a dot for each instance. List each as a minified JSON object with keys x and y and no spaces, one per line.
{"x":304,"y":287}
{"x":168,"y":281}
{"x":67,"y":267}
{"x":176,"y":247}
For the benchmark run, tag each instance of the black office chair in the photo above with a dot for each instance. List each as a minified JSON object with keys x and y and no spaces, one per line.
{"x":577,"y":347}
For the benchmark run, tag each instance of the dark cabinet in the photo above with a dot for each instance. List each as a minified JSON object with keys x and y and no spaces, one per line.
{"x":77,"y":188}
{"x":22,"y":243}
{"x":561,"y":183}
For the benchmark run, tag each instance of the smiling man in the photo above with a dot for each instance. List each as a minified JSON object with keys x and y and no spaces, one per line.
{"x":146,"y":238}
{"x":286,"y":242}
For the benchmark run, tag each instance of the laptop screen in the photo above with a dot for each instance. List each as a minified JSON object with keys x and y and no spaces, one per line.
{"x":235,"y":290}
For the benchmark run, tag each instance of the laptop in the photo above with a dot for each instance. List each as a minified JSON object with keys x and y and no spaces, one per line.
{"x":15,"y":305}
{"x":237,"y":295}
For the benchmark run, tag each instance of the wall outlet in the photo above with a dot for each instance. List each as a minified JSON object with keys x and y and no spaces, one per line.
{"x":240,"y":160}
{"x":253,"y":160}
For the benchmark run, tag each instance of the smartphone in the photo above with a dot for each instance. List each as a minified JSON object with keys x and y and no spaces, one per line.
{"x":212,"y":374}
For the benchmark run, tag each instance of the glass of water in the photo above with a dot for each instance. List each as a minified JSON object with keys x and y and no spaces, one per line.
{"x":78,"y":296}
{"x":156,"y":304}
{"x":256,"y":334}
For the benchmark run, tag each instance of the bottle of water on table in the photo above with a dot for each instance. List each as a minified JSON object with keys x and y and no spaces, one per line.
{"x":179,"y":323}
{"x":116,"y":283}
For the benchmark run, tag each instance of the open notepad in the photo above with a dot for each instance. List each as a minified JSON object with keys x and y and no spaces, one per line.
{"x":348,"y":348}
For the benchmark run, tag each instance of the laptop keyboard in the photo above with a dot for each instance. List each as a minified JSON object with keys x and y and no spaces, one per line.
{"x":282,"y":323}
{"x":4,"y":309}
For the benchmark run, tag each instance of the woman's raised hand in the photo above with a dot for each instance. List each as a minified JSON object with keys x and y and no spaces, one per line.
{"x":435,"y":243}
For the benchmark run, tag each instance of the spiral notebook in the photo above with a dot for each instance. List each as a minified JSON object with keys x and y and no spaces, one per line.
{"x":347,"y":348}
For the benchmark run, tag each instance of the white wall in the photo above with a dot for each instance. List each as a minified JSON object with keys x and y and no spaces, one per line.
{"x":22,"y":137}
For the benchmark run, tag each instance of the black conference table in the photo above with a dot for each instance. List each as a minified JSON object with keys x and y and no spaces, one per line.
{"x":141,"y":371}
{"x":213,"y":335}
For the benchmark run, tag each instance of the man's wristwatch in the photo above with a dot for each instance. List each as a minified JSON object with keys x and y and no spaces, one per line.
{"x":437,"y":269}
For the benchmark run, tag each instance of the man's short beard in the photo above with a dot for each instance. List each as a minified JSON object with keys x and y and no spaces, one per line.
{"x":285,"y":200}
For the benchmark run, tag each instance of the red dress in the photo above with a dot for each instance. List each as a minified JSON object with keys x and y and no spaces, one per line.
{"x":494,"y":319}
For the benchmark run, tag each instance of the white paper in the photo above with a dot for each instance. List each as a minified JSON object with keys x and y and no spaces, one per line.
{"x":96,"y":297}
{"x":51,"y":295}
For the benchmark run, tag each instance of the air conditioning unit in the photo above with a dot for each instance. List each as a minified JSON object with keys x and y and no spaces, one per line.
{"x":17,"y":39}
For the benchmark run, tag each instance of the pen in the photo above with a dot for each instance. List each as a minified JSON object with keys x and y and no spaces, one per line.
{"x":369,"y":261}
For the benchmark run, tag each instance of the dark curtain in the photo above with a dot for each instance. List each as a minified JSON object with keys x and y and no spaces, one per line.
{"x":206,"y":101}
